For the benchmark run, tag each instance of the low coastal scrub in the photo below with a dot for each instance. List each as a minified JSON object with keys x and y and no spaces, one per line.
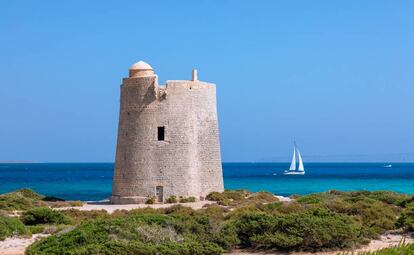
{"x":137,"y":234}
{"x":187,"y":199}
{"x":376,"y":211}
{"x":237,"y":198}
{"x":25,"y":199}
{"x":24,"y":212}
{"x":240,"y":219}
{"x":311,"y":230}
{"x":11,"y":226}
{"x":150,"y":201}
{"x":406,"y":220}
{"x":171,"y":200}
{"x":43,"y":215}
{"x":79,"y":216}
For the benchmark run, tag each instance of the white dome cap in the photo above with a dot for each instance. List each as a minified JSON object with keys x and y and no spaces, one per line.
{"x":140,"y":69}
{"x":141,"y":65}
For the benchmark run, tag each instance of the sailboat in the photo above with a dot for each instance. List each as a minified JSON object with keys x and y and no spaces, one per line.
{"x":292,"y":169}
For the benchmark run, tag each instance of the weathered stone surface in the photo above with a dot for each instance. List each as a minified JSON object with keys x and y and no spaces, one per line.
{"x":187,"y":162}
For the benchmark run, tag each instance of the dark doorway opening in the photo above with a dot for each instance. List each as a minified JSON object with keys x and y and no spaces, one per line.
{"x":159,"y":191}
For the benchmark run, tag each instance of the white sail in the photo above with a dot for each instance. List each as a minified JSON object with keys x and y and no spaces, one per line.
{"x":300,"y":168}
{"x":293,"y":164}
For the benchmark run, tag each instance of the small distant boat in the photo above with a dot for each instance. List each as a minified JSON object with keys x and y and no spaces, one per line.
{"x":388,"y":166}
{"x":292,"y":170}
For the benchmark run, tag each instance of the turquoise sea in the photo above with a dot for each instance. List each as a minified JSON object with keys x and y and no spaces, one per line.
{"x":93,"y":181}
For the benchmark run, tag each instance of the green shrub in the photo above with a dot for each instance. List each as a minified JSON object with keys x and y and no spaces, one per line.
{"x":376,"y":217}
{"x":262,"y":197}
{"x":376,"y":211}
{"x":75,"y":203}
{"x":179,"y":210}
{"x":60,"y":204}
{"x":235,"y":197}
{"x":286,"y":208}
{"x":389,"y":197}
{"x":121,"y":247}
{"x":311,"y":230}
{"x":220,"y":198}
{"x":36,"y":229}
{"x":139,"y":234}
{"x":20,"y":200}
{"x":406,"y":219}
{"x":28,"y":193}
{"x":407,"y":201}
{"x":236,"y":194}
{"x":313,"y":222}
{"x":312,"y":198}
{"x":172,"y":200}
{"x":225,"y":202}
{"x":215,"y":196}
{"x":79,"y":216}
{"x":43,"y":215}
{"x":10,"y":226}
{"x":26,"y":199}
{"x":187,"y":200}
{"x":150,"y":201}
{"x":145,"y":210}
{"x":225,"y":236}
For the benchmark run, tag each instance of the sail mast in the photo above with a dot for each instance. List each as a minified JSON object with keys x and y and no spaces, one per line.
{"x":293,"y":163}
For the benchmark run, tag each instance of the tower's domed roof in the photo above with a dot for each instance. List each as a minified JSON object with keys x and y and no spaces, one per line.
{"x":141,"y":65}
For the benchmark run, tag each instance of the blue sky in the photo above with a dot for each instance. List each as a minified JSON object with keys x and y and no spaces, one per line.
{"x":337,"y":76}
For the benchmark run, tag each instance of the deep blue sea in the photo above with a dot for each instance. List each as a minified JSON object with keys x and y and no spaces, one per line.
{"x":93,"y":181}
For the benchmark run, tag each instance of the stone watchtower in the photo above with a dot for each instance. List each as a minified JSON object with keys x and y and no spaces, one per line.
{"x":168,"y":139}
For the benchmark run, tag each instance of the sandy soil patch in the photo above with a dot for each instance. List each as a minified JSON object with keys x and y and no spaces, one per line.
{"x":17,"y":245}
{"x":111,"y":208}
{"x":284,"y":199}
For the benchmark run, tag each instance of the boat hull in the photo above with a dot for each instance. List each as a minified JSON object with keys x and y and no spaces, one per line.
{"x":294,"y":173}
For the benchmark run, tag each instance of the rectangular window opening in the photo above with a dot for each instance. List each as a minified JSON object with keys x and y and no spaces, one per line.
{"x":161,"y":133}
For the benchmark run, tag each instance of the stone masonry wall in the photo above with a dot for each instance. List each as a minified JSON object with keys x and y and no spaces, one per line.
{"x":187,"y":162}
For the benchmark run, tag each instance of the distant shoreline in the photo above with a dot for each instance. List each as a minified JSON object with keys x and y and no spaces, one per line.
{"x":227,"y":162}
{"x":18,"y":162}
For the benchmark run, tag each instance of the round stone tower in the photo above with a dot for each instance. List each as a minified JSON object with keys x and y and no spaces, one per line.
{"x":168,"y":139}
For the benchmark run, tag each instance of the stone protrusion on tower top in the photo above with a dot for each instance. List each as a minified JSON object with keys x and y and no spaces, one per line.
{"x":140,"y":69}
{"x":194,"y":75}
